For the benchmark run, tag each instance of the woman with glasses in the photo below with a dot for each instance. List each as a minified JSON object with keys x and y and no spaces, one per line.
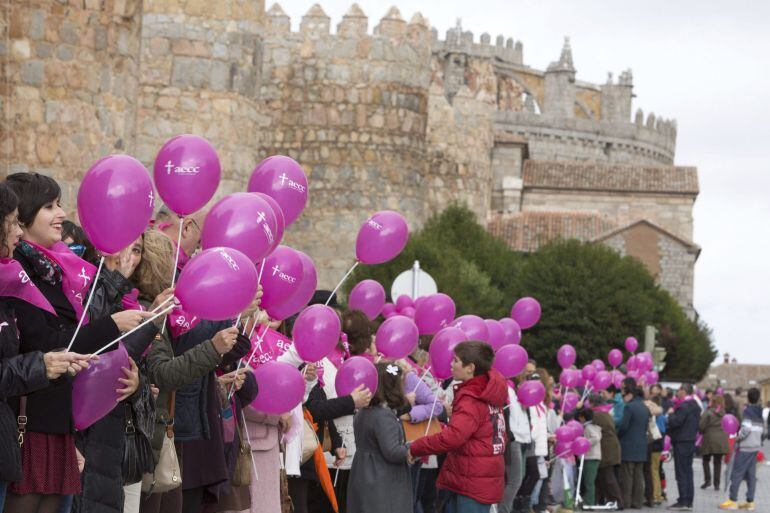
{"x":74,"y":237}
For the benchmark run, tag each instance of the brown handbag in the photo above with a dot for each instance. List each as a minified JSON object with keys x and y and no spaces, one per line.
{"x":242,"y":472}
{"x":417,"y":430}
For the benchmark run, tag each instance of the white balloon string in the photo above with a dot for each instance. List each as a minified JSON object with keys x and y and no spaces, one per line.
{"x":432,"y":409}
{"x":147,"y":321}
{"x":337,"y":474}
{"x":248,"y":439}
{"x":422,"y":380}
{"x":88,"y":303}
{"x":350,"y":271}
{"x":240,"y":362}
{"x":237,"y":320}
{"x":161,"y":305}
{"x":176,"y":261}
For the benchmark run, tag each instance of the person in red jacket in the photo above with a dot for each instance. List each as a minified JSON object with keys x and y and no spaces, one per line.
{"x":474,"y":440}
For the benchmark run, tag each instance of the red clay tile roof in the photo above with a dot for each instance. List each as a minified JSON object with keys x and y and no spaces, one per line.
{"x":600,"y":176}
{"x":736,"y":375}
{"x":526,"y":231}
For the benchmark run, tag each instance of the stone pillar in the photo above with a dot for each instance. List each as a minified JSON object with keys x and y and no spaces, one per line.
{"x":560,"y":85}
{"x":616,"y":98}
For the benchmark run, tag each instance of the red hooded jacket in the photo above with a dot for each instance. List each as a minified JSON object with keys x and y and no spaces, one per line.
{"x":474,"y":440}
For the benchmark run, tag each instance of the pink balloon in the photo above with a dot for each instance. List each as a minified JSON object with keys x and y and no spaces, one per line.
{"x":420,"y":300}
{"x":576,"y":426}
{"x":115,"y":202}
{"x":434,"y":313}
{"x":496,"y":333}
{"x":667,"y":443}
{"x":280,"y":277}
{"x":474,"y":327}
{"x":512,"y":330}
{"x":598,"y":365}
{"x":397,"y":337}
{"x":730,"y":424}
{"x":651,"y":377}
{"x":381,"y":237}
{"x":510,"y":360}
{"x":526,"y":312}
{"x":602,"y":380}
{"x":316,"y":332}
{"x":580,"y":446}
{"x":280,"y":220}
{"x":284,"y":180}
{"x":615,"y":357}
{"x":568,"y":378}
{"x":187,"y":173}
{"x":93,"y":389}
{"x":632,"y":363}
{"x":217,"y":284}
{"x":353,"y":372}
{"x":631,"y":344}
{"x":563,"y":449}
{"x":404,"y":301}
{"x":304,"y":293}
{"x":442,"y":351}
{"x":408,"y":312}
{"x":241,"y":221}
{"x":566,"y":356}
{"x":531,"y":393}
{"x":565,"y":434}
{"x":389,"y":310}
{"x":369,"y":297}
{"x":570,"y":401}
{"x":644,"y":361}
{"x":588,"y":372}
{"x":617,"y":379}
{"x":281,"y":388}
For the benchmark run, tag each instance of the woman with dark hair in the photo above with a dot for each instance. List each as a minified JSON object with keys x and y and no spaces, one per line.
{"x":49,"y":461}
{"x":74,"y":237}
{"x":380,"y":480}
{"x":26,"y":373}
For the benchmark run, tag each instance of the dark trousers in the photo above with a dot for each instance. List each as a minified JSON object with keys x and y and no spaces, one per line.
{"x":683,"y":456}
{"x":744,"y":467}
{"x":607,"y":486}
{"x":462,"y":504}
{"x":531,"y":477}
{"x":707,"y":458}
{"x":298,"y":488}
{"x":426,"y":491}
{"x":632,"y":482}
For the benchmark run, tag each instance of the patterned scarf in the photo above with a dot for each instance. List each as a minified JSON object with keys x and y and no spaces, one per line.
{"x":48,"y":270}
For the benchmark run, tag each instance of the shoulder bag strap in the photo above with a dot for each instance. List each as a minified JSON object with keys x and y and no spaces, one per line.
{"x":22,"y":419}
{"x":171,"y":409}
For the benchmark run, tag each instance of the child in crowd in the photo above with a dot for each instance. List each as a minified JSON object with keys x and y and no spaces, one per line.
{"x":379,"y":477}
{"x":594,"y":455}
{"x":748,"y":444}
{"x":474,"y":440}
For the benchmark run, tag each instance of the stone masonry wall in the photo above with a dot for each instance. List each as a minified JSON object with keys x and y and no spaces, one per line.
{"x":70,"y":85}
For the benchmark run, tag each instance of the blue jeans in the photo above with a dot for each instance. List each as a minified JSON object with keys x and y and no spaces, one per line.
{"x":744,"y":467}
{"x":3,"y":488}
{"x":461,"y":504}
{"x":66,"y":504}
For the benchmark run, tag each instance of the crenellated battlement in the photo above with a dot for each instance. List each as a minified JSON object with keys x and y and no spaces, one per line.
{"x":458,"y":40}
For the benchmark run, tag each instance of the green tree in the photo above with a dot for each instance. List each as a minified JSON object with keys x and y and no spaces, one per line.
{"x":591,"y":297}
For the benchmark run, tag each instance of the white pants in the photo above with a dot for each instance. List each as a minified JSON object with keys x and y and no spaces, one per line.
{"x":133,"y":497}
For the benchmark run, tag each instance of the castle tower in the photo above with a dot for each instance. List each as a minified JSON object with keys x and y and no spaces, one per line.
{"x":616,"y":98}
{"x":200,"y":74}
{"x":560,"y":85}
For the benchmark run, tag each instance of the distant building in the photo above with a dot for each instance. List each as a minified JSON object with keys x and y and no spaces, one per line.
{"x":731,"y":375}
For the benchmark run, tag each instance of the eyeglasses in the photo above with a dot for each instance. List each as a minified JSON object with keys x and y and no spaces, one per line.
{"x":78,"y":249}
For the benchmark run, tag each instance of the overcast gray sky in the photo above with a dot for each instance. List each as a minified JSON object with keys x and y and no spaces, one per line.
{"x":704,"y":63}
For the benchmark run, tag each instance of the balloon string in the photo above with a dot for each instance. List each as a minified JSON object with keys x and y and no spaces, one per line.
{"x":237,"y":320}
{"x":240,"y":362}
{"x":422,"y":380}
{"x":350,"y":271}
{"x":88,"y":303}
{"x":337,"y":474}
{"x":248,"y":440}
{"x":176,"y":262}
{"x":162,"y":312}
{"x":432,"y":409}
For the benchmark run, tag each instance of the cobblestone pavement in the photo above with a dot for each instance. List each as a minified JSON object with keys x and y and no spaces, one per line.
{"x":709,"y":500}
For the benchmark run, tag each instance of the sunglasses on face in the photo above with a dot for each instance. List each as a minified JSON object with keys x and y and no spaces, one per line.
{"x":78,"y":249}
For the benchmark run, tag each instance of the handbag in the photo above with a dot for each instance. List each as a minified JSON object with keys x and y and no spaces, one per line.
{"x":242,"y":472}
{"x":413,"y":431}
{"x":652,"y":430}
{"x":167,"y":474}
{"x":309,"y":439}
{"x":137,"y":452}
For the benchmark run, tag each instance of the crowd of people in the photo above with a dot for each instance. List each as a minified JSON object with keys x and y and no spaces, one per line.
{"x":416,"y":443}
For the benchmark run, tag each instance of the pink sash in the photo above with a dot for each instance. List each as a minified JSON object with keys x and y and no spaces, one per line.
{"x":180,"y":322}
{"x":272,"y":346}
{"x":14,"y":282}
{"x":77,"y":274}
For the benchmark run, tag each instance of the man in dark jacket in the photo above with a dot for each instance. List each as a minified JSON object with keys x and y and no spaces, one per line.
{"x":632,"y":432}
{"x":682,"y":427}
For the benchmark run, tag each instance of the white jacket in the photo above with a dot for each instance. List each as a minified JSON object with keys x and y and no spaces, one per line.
{"x":538,"y":418}
{"x":517,"y":419}
{"x":344,"y":424}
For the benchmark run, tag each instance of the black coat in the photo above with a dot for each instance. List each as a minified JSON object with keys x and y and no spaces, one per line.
{"x":19,"y":375}
{"x":682,"y":425}
{"x":50,"y":410}
{"x":103,"y":443}
{"x":324,"y":411}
